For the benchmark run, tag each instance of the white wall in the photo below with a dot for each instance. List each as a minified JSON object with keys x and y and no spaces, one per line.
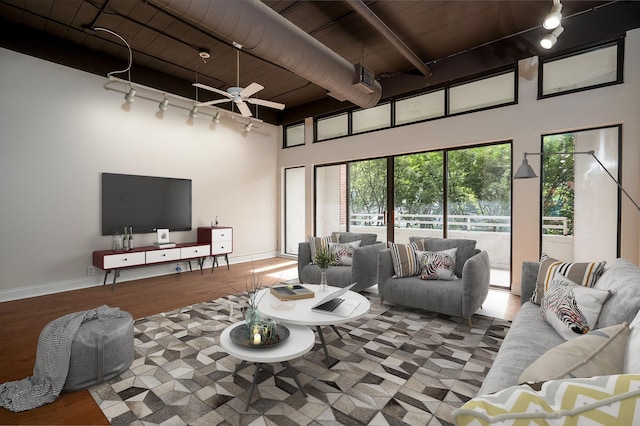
{"x":61,"y":128}
{"x":523,"y":123}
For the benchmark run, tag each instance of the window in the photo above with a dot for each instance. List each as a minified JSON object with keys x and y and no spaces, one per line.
{"x":332,"y":127}
{"x":294,"y":135}
{"x":597,"y":67}
{"x":484,"y":93}
{"x":418,"y":108}
{"x":378,"y":117}
{"x":293,"y":208}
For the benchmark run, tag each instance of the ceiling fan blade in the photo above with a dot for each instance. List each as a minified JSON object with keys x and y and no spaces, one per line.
{"x":269,"y":104}
{"x":244,"y":109}
{"x":217,"y":101}
{"x":212,"y":89}
{"x":250,"y":90}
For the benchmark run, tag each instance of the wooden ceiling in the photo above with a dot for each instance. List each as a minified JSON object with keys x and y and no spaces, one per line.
{"x":455,"y":39}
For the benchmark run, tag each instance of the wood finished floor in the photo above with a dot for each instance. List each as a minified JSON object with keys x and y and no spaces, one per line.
{"x":22,"y":320}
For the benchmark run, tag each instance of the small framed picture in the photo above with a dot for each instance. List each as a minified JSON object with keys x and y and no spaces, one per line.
{"x":163,"y":236}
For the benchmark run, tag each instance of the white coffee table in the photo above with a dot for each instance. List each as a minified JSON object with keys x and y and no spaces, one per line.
{"x":299,"y":311}
{"x":299,"y":342}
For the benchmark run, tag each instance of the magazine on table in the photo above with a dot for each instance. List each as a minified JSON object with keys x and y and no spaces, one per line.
{"x":291,"y":292}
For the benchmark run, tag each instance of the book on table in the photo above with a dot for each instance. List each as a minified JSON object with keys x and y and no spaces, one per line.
{"x":291,"y":292}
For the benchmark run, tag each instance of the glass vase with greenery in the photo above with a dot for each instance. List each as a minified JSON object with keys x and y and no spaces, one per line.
{"x":324,"y":259}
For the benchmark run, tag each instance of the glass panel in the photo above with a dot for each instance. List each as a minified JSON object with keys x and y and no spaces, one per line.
{"x":592,"y":68}
{"x":483,"y":93}
{"x":330,"y":199}
{"x":294,"y":135}
{"x":418,"y":196}
{"x":332,"y":127}
{"x":579,"y":199}
{"x":368,"y":197}
{"x":479,"y":203}
{"x":294,"y":209}
{"x":417,"y":108}
{"x":377,"y":117}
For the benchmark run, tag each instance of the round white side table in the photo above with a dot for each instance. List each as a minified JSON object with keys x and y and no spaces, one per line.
{"x":300,"y":341}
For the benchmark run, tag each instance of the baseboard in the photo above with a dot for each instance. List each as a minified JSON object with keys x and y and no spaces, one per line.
{"x":125,"y":275}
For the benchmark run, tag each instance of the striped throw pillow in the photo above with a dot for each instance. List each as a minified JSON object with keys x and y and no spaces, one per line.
{"x":321,"y":243}
{"x":584,"y":274}
{"x":405,"y":260}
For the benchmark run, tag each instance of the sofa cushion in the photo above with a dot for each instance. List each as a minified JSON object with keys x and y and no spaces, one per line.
{"x":583,"y":273}
{"x":438,"y":265}
{"x":623,"y":279}
{"x":321,"y":243}
{"x":466,"y":248}
{"x":632,"y":354}
{"x":571,"y":309}
{"x":405,"y":260}
{"x":602,"y":400}
{"x":343,"y":252}
{"x":348,"y":237}
{"x":598,"y":353}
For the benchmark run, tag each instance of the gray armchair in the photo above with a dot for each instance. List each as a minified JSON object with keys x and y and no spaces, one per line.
{"x":363,"y":271}
{"x":460,"y":298}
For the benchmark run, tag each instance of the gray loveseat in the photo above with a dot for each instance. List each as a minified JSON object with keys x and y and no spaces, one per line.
{"x":460,"y":298}
{"x":363,"y":271}
{"x":530,"y":336}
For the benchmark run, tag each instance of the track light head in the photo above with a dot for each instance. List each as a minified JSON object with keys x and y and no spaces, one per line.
{"x":131,"y":95}
{"x":164,"y":104}
{"x":216,"y":118}
{"x":553,"y":18}
{"x":194,"y":112}
{"x":548,"y":41}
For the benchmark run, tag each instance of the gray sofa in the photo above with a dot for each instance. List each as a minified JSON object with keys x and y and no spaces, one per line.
{"x":460,"y":298}
{"x":530,"y":336}
{"x":363,"y":271}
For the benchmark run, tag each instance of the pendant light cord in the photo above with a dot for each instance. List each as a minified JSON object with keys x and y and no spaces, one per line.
{"x":128,"y":69}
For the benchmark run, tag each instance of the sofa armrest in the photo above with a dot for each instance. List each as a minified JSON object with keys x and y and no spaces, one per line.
{"x":529,"y":278}
{"x":364,"y":270}
{"x":304,"y":256}
{"x":385,"y":271}
{"x":476,"y":274}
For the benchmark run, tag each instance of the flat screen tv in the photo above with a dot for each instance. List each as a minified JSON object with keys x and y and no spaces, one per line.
{"x":145,"y":203}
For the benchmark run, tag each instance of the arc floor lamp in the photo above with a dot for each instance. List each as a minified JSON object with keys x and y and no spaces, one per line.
{"x":526,"y":172}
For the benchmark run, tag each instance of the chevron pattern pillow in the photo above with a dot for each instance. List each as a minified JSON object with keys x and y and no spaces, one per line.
{"x":594,"y":401}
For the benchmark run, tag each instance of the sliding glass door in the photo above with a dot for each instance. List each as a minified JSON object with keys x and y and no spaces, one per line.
{"x":580,"y":202}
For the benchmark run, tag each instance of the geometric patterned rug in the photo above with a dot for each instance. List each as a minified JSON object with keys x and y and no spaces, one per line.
{"x":394,"y":366}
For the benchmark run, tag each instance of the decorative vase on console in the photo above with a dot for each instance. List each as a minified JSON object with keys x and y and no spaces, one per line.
{"x":324,"y":259}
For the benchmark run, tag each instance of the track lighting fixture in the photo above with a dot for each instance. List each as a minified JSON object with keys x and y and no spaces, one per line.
{"x":194,"y":111}
{"x":548,"y":41}
{"x":216,"y":118}
{"x":248,"y":126}
{"x":553,"y":18}
{"x":164,"y":104}
{"x":131,"y":95}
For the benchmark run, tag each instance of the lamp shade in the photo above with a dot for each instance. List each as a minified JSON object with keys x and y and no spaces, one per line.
{"x":524,"y":171}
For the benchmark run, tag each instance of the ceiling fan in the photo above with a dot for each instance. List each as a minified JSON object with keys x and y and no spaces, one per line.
{"x":239,"y":95}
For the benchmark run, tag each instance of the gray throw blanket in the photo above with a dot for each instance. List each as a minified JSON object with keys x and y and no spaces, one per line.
{"x":52,"y":361}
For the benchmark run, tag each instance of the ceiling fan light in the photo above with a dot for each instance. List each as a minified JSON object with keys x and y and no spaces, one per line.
{"x":553,"y":18}
{"x":216,"y":118}
{"x":548,"y":41}
{"x":131,"y":95}
{"x":248,"y":126}
{"x":194,"y":112}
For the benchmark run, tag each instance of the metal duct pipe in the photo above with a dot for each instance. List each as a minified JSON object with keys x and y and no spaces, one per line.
{"x":367,"y":14}
{"x":270,"y":36}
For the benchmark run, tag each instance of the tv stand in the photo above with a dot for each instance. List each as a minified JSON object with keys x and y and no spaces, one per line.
{"x":115,"y":260}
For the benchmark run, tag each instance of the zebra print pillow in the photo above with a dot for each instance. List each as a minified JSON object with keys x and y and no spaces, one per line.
{"x":583,"y":273}
{"x":438,"y":265}
{"x":572,"y":310}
